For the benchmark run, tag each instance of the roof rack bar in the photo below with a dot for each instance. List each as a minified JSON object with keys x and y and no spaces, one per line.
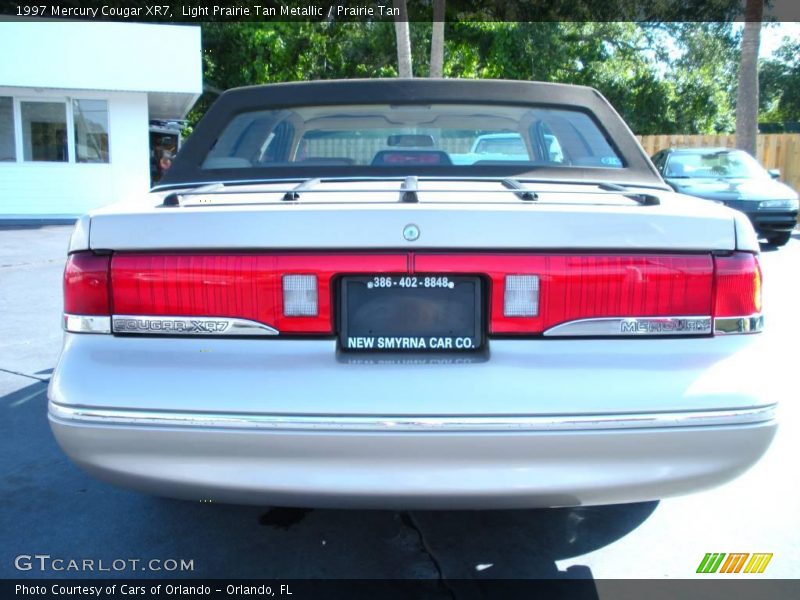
{"x":643,"y":199}
{"x":449,"y":190}
{"x":520,"y":190}
{"x":294,"y":194}
{"x":384,"y":177}
{"x":408,"y":189}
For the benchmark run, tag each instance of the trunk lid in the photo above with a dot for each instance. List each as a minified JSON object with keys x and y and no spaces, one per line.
{"x":448,"y":214}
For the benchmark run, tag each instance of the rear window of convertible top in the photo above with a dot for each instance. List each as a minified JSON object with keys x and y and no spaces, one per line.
{"x":384,"y":135}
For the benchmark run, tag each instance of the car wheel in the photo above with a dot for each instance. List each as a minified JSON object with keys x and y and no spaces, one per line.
{"x":779,"y":239}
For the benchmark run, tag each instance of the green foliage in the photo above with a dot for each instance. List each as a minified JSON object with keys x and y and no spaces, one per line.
{"x":663,"y":78}
{"x":671,"y":78}
{"x":244,"y":53}
{"x":779,"y":81}
{"x":703,"y":79}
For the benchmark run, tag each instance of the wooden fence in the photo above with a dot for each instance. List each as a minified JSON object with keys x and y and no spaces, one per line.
{"x":774,"y":150}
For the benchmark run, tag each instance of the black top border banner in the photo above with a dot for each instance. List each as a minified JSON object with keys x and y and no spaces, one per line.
{"x":193,"y":11}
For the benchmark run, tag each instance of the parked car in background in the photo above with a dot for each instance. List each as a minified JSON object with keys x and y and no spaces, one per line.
{"x":507,"y":147}
{"x":736,"y":179}
{"x":317,"y":307}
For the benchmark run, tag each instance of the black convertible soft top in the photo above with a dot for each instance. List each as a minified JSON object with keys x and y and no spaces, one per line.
{"x":636,"y":166}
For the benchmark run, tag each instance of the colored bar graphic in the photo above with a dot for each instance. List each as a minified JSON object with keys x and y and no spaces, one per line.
{"x":731,"y":560}
{"x":733,"y":564}
{"x":740,"y":564}
{"x":758,"y":563}
{"x":702,"y":567}
{"x":710,"y":562}
{"x":717,"y":563}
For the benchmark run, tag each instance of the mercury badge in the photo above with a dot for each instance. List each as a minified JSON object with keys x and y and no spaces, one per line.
{"x":411,"y":232}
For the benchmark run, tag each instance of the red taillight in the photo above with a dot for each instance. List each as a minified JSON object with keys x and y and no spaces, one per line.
{"x":544,"y":290}
{"x":244,"y":286}
{"x":86,"y":284}
{"x":737,"y":285}
{"x":573,"y":287}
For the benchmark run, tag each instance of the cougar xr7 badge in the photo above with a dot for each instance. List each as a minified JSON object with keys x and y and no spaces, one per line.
{"x":168,"y":325}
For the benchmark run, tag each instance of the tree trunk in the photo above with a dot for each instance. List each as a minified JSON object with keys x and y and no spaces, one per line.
{"x":437,"y":39}
{"x":401,"y":30}
{"x":747,"y":90}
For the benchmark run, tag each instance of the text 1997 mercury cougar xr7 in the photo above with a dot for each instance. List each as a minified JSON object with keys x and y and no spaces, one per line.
{"x":318,"y":307}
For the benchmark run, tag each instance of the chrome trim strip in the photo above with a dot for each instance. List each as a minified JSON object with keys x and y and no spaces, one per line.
{"x":163,"y":325}
{"x":146,"y":418}
{"x":633,"y":326}
{"x":731,"y":325}
{"x":86,"y":324}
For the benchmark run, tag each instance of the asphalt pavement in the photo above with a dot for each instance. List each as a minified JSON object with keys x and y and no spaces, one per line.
{"x":49,"y":506}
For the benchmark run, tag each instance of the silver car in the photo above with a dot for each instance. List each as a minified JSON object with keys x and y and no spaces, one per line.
{"x":317,"y":307}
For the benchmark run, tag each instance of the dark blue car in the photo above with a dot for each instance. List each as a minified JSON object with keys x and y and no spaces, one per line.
{"x":735,"y":179}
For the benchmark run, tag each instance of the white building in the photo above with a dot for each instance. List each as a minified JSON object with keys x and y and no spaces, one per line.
{"x":75,"y":102}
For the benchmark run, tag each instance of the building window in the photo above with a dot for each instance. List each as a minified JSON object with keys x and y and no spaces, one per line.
{"x":44,"y":131}
{"x":8,"y":149}
{"x":66,"y":130}
{"x":90,"y":118}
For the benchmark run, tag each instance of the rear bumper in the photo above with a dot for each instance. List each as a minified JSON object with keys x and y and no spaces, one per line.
{"x":445,"y":463}
{"x":530,"y":423}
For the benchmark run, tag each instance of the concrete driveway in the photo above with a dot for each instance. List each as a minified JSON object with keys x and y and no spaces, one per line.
{"x":52,"y":507}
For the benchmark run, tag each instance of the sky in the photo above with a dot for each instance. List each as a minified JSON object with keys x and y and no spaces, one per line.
{"x":773,"y":34}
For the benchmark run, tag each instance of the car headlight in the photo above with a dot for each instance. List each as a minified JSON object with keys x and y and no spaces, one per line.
{"x":787,"y":204}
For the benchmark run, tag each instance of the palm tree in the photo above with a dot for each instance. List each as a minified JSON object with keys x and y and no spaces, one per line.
{"x":437,"y":39}
{"x":747,"y":91}
{"x":401,"y":30}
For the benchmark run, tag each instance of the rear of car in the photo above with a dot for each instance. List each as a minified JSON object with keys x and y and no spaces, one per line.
{"x":309,"y":313}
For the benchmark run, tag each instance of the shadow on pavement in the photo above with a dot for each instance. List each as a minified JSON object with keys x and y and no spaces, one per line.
{"x":767,"y":247}
{"x":525,"y":543}
{"x":52,"y":507}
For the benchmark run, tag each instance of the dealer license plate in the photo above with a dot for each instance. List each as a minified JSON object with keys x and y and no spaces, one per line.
{"x":417,"y":313}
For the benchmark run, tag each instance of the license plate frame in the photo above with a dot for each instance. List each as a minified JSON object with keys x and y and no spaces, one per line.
{"x":460,"y":304}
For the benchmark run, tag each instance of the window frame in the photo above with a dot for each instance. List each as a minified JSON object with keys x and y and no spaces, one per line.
{"x":68,"y":123}
{"x":67,"y":101}
{"x":71,"y":110}
{"x":14,"y":129}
